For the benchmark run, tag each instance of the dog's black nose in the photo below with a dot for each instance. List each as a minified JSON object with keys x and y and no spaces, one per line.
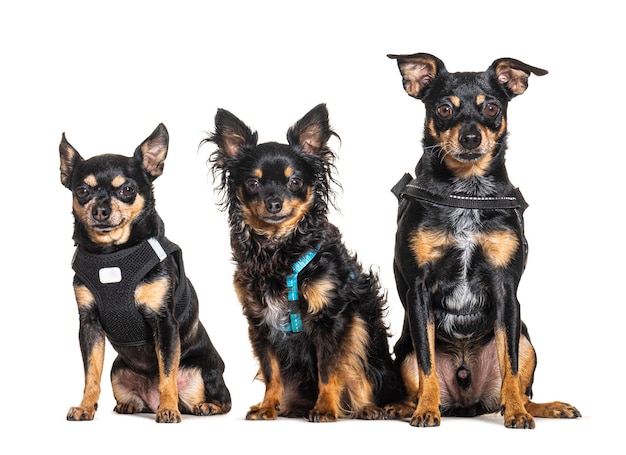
{"x":469,"y":137}
{"x":470,"y":141}
{"x":273,"y":205}
{"x":100,"y":212}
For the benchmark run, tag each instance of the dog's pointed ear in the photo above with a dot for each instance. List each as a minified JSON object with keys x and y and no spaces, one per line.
{"x":153,"y":151}
{"x":231,"y":134}
{"x":512,"y":75}
{"x":312,"y":131}
{"x":69,"y":158}
{"x":418,"y":72}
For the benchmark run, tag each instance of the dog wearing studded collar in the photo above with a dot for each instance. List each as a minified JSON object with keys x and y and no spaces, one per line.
{"x":460,"y":252}
{"x":315,"y":316}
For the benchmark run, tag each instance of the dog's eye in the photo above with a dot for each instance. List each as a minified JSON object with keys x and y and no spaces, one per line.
{"x":253,"y":186}
{"x":82,"y":192}
{"x":127,"y":192}
{"x":295,"y":184}
{"x":491,"y":110}
{"x":444,"y":111}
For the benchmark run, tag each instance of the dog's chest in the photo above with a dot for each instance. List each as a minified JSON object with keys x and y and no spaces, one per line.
{"x":462,"y":254}
{"x":263,"y":294}
{"x":462,"y":301}
{"x":274,"y":311}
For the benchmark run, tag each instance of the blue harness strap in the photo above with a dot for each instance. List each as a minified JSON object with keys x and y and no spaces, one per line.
{"x":293,"y":298}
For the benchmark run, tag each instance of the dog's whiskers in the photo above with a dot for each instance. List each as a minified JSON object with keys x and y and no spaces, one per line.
{"x":441,"y":150}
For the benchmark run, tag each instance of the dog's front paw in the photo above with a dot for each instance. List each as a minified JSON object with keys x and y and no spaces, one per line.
{"x":520,"y":419}
{"x":426,"y":418}
{"x":168,"y":416}
{"x":77,"y":413}
{"x":259,"y":412}
{"x":318,"y":415}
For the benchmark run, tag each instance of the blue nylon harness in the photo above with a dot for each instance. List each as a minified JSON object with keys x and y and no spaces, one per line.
{"x":293,"y":298}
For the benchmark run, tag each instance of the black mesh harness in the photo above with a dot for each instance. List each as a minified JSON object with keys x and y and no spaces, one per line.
{"x":112,"y":278}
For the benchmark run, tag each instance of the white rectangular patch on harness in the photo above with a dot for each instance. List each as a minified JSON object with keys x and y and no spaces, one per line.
{"x":110,"y":275}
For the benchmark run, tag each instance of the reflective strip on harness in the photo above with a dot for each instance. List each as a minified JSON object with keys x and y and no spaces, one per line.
{"x":408,"y":187}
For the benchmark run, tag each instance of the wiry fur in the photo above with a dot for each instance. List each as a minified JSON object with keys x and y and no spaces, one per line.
{"x":277,"y":196}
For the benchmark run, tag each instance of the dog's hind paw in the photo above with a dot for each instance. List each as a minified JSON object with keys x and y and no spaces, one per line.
{"x":208,"y":409}
{"x":130,"y":407}
{"x":553,"y":410}
{"x":372,"y":413}
{"x":259,"y":412}
{"x":402,"y":410}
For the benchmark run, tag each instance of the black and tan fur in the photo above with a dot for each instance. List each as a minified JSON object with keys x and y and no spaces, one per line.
{"x":464,"y":349}
{"x":177,"y":369}
{"x":277,"y":196}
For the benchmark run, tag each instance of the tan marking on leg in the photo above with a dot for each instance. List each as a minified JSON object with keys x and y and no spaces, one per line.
{"x":512,"y":396}
{"x":410,"y":377}
{"x":353,"y":373}
{"x":153,"y":295}
{"x":317,"y":294}
{"x":554,"y":409}
{"x":327,"y":405}
{"x":427,"y":413}
{"x":269,"y":408}
{"x":84,"y":297}
{"x":91,"y":392}
{"x":348,"y":380}
{"x":168,"y":411}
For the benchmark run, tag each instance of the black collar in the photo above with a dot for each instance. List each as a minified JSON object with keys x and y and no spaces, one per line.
{"x":408,"y":187}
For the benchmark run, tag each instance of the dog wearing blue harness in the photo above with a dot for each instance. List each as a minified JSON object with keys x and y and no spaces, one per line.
{"x":316,"y":317}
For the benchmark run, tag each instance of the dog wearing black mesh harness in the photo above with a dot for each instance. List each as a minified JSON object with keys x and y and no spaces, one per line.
{"x":131,"y":289}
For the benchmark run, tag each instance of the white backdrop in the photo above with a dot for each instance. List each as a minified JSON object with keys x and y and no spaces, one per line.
{"x":107,"y":73}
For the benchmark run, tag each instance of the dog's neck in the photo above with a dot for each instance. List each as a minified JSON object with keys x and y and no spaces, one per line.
{"x":435,"y":176}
